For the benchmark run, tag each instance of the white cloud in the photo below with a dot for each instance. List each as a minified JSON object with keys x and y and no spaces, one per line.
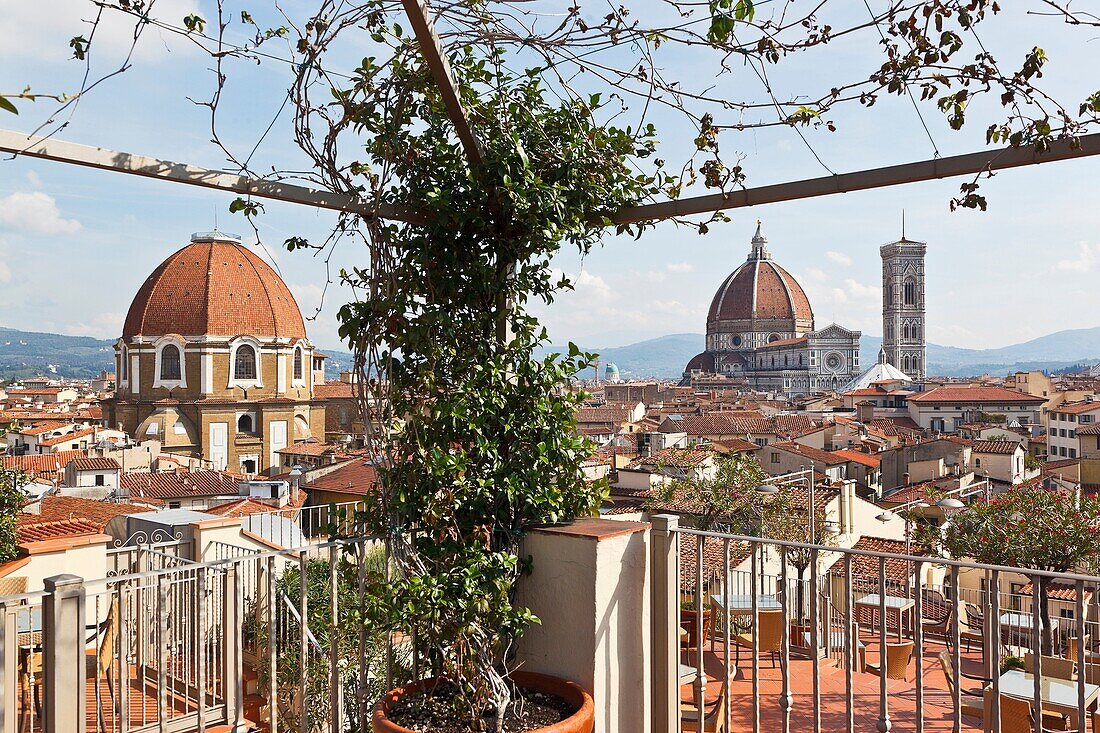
{"x":681,"y":267}
{"x":839,"y":258}
{"x":1088,"y":255}
{"x":34,"y":180}
{"x":5,"y":272}
{"x":34,"y":212}
{"x":102,"y":326}
{"x":32,"y":31}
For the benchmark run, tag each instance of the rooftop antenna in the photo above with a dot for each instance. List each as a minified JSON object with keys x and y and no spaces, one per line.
{"x":902,"y":225}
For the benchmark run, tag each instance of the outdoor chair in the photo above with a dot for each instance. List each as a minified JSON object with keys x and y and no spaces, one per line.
{"x":714,"y":714}
{"x":1063,"y":669}
{"x":895,"y":661}
{"x":936,"y":612}
{"x":1073,"y":650}
{"x":13,"y":585}
{"x":1016,"y":715}
{"x":965,"y":616}
{"x":973,"y":700}
{"x":768,"y":635}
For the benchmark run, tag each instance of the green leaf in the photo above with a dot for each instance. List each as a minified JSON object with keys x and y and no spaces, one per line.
{"x":5,"y":104}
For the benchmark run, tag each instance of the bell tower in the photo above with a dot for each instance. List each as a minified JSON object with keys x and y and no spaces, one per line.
{"x":903,"y":306}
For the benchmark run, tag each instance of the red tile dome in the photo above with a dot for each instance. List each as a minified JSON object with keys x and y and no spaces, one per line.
{"x":762,"y":290}
{"x":214,"y":287}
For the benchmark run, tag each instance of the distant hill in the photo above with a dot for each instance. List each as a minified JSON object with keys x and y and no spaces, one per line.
{"x":665,"y":357}
{"x":26,"y":353}
{"x":29,"y":353}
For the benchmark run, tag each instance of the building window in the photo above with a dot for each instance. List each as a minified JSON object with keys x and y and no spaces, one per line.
{"x":244,"y":363}
{"x":99,"y":479}
{"x":244,"y":424}
{"x":910,"y":292}
{"x":775,"y":458}
{"x":298,"y":363}
{"x":170,"y":362}
{"x":122,"y":364}
{"x":1072,"y":452}
{"x":173,"y":505}
{"x":977,"y":463}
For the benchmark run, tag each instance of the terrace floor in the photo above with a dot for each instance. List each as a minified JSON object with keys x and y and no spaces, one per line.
{"x":938,"y":706}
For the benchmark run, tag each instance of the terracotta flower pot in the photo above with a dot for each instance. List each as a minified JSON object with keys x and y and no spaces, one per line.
{"x":582,"y":721}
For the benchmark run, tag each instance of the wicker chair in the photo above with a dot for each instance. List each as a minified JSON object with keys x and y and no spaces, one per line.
{"x":1072,"y":651}
{"x":1016,"y":715}
{"x":13,"y":585}
{"x":769,"y":637}
{"x":973,"y":700}
{"x":1063,"y":669}
{"x":714,"y":715}
{"x":897,"y":661}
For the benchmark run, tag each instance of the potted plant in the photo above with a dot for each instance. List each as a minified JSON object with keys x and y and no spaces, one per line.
{"x":689,"y":622}
{"x":479,"y":439}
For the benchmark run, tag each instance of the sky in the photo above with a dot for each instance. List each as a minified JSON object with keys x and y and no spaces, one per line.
{"x":75,"y":244}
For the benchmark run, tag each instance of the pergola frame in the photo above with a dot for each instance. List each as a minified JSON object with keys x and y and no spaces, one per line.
{"x":976,"y":163}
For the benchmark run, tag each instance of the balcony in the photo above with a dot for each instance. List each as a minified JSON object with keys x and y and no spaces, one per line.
{"x":814,"y":665}
{"x":207,"y":635}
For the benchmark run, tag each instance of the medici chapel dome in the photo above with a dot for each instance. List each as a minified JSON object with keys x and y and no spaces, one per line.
{"x":215,"y":287}
{"x":760,"y":296}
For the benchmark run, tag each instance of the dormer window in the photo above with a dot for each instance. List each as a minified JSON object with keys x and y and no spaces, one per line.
{"x":244,"y":363}
{"x":170,"y":363}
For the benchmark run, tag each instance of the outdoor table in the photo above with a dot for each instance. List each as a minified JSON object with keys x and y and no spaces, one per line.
{"x":689,"y":673}
{"x":1059,"y":696}
{"x":1023,"y":621}
{"x":898,"y":605}
{"x":740,"y":605}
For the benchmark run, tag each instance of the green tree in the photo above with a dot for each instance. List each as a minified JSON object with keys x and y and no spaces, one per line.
{"x":11,"y":501}
{"x":1029,"y":528}
{"x":726,"y":500}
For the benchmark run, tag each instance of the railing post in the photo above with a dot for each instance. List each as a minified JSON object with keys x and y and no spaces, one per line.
{"x":666,"y":618}
{"x":63,"y":643}
{"x":233,"y":677}
{"x":9,"y":663}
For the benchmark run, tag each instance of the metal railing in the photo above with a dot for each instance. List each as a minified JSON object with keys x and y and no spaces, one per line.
{"x":180,"y":646}
{"x":869,"y":650}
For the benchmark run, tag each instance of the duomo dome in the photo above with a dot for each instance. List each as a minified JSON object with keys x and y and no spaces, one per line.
{"x":214,"y":361}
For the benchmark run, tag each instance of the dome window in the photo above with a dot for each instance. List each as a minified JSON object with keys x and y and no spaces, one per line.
{"x":298,"y":364}
{"x":170,"y":363}
{"x":244,"y":363}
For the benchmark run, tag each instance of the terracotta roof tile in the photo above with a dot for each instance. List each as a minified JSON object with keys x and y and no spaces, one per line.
{"x":214,"y":288}
{"x":970,"y":395}
{"x":333,"y":390}
{"x":897,"y":571}
{"x":38,"y":463}
{"x":181,"y":484}
{"x":357,"y":476}
{"x":1076,"y":408}
{"x":95,"y":464}
{"x":54,"y":508}
{"x":75,"y":435}
{"x":829,"y":458}
{"x":50,"y":530}
{"x":860,"y":457}
{"x":999,"y":447}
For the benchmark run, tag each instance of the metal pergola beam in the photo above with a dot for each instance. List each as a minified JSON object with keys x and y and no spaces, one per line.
{"x":894,"y":175}
{"x":958,"y":165}
{"x":60,"y":151}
